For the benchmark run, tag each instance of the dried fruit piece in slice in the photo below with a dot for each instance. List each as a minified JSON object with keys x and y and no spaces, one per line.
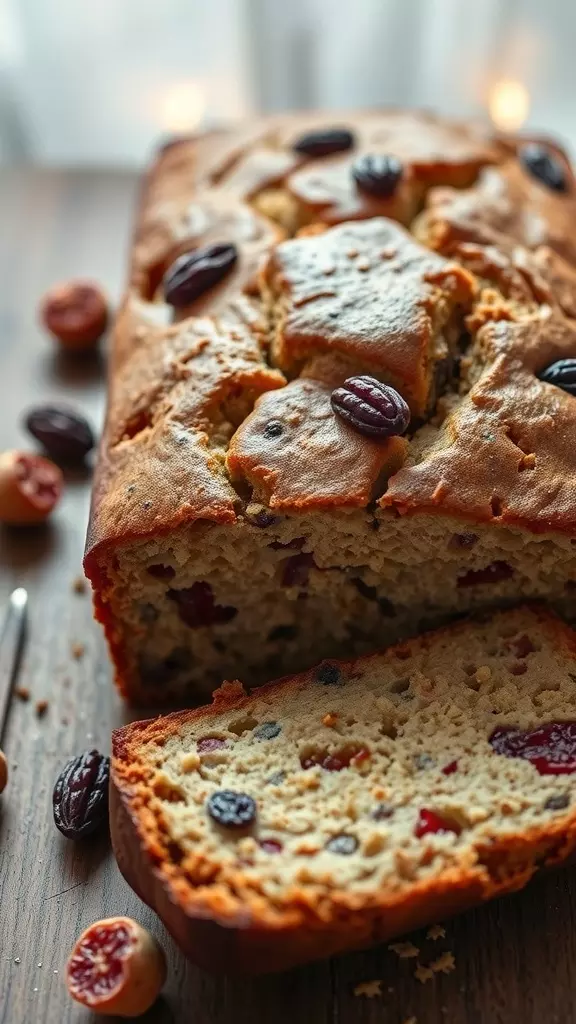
{"x":116,"y":967}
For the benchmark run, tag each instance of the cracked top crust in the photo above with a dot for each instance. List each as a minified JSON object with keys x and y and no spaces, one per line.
{"x":459,"y":309}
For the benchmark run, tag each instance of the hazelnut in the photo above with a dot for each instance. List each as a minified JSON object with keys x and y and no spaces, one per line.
{"x":3,"y":771}
{"x":76,"y":314}
{"x":116,"y":968}
{"x":30,"y":487}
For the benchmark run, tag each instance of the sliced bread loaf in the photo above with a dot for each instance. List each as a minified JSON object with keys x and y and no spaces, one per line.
{"x":358,"y":800}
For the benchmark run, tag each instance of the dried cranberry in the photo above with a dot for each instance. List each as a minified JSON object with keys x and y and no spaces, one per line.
{"x":562,"y":374}
{"x":271,"y":845}
{"x":342,"y":844}
{"x":64,"y":433}
{"x":161,"y":572}
{"x":196,"y":606}
{"x":209,"y":743}
{"x":230,"y":809}
{"x":543,"y":165}
{"x":450,"y":768}
{"x":296,"y":570}
{"x":194,"y":272}
{"x":324,"y":142}
{"x":493,"y":573}
{"x":372,"y":408}
{"x":335,"y":762}
{"x":80,"y":797}
{"x":431,"y":822}
{"x":329,"y":675}
{"x":551,"y":748}
{"x":268,"y":731}
{"x":377,"y":174}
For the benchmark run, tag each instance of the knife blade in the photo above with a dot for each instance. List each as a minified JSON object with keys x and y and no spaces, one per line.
{"x":12,"y":637}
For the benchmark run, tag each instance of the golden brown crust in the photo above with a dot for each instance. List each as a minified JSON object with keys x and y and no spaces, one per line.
{"x":244,"y":930}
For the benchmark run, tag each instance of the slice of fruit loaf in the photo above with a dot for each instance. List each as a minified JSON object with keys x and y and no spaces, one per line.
{"x":356,"y":801}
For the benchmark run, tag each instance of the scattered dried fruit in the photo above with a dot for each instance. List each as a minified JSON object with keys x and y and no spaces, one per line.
{"x":551,"y":748}
{"x":562,"y":374}
{"x":324,"y":142}
{"x":230,"y":809}
{"x":76,"y":314}
{"x":543,"y":165}
{"x":194,"y":272}
{"x":80,"y":797}
{"x":65,"y":434}
{"x":371,"y":407}
{"x":3,"y":771}
{"x":30,"y":487}
{"x":116,"y":968}
{"x":377,"y":174}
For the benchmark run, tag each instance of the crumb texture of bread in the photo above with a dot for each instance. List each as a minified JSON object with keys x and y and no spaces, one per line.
{"x":238,"y":525}
{"x":379,"y":793}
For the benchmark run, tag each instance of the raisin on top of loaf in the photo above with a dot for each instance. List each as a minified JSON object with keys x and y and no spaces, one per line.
{"x":461,"y":309}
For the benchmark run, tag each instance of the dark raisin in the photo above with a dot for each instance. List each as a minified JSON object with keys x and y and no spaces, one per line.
{"x":271,"y":845}
{"x":276,"y":779}
{"x":268,"y":731}
{"x":324,"y":142}
{"x":377,"y":174}
{"x":382,"y":811}
{"x":372,"y":408}
{"x":282,"y":633}
{"x":463,"y":541}
{"x":543,"y":165}
{"x":423,"y":761}
{"x":161,"y":572}
{"x":64,"y":434}
{"x":329,"y":675}
{"x":493,"y":573}
{"x":562,"y":374}
{"x":557,"y":803}
{"x":296,"y":570}
{"x":342,"y":844}
{"x":209,"y":743}
{"x":194,"y":272}
{"x":551,"y":748}
{"x":196,"y":606}
{"x":80,"y":797}
{"x":273,"y":429}
{"x":230,"y":809}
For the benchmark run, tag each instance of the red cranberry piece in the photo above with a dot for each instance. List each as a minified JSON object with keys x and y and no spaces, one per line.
{"x":297,"y":569}
{"x":161,"y":572}
{"x":493,"y":573}
{"x":209,"y":743}
{"x":543,"y":165}
{"x":450,"y":768}
{"x":377,"y":174}
{"x":431,"y":822}
{"x":196,"y":606}
{"x":336,"y":762}
{"x":371,"y":407}
{"x":551,"y":748}
{"x":271,"y":845}
{"x":194,"y":272}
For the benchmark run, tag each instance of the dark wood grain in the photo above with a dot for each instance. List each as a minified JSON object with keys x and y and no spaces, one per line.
{"x":515,"y":960}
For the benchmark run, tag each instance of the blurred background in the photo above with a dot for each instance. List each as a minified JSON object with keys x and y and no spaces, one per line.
{"x":95,"y":83}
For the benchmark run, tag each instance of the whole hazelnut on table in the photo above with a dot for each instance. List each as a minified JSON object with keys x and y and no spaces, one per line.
{"x":30,"y":487}
{"x":116,"y":968}
{"x":76,"y":314}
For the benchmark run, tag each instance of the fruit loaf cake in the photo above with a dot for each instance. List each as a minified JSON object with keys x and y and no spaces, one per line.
{"x":342,"y":396}
{"x":358,"y":800}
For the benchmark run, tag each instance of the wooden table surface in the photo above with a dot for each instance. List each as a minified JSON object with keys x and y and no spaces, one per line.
{"x":515,"y":961}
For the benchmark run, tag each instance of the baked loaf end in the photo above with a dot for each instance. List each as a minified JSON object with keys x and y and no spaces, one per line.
{"x":239,"y":526}
{"x":356,"y":801}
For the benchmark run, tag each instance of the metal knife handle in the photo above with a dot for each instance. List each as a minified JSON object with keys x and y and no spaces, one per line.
{"x":11,"y":642}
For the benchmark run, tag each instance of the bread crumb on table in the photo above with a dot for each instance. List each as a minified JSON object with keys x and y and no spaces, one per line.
{"x":78,"y":651}
{"x":445,"y":963}
{"x":404,"y":950}
{"x":436,"y":932}
{"x":79,"y":585}
{"x":423,"y":973}
{"x":370,"y":989}
{"x":41,"y":708}
{"x":22,"y":692}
